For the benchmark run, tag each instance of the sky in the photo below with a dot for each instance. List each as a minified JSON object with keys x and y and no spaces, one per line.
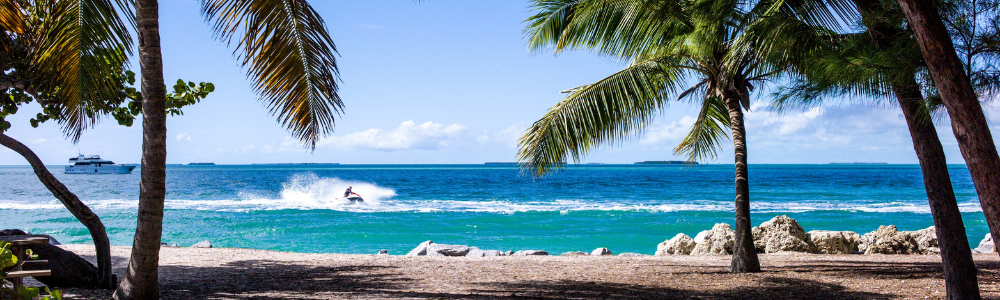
{"x":445,"y":81}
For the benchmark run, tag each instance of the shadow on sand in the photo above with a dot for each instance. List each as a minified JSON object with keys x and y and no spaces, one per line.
{"x":263,"y":279}
{"x":271,"y":279}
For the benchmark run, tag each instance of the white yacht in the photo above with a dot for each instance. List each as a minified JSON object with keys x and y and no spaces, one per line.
{"x":93,"y":164}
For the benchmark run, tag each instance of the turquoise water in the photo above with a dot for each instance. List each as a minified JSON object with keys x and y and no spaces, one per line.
{"x":626,"y":208}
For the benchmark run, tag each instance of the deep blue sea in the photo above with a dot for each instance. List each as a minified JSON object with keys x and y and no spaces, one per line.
{"x":626,"y":208}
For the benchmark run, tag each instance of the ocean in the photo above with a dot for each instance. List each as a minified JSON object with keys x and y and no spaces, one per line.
{"x":626,"y":208}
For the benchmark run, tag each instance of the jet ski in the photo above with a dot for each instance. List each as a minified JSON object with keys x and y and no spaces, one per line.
{"x":354,"y":197}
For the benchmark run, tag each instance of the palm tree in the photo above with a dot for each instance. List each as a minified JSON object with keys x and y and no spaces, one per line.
{"x":957,"y":94}
{"x":878,"y":63}
{"x":68,"y":57}
{"x":668,"y":43}
{"x":290,"y":59}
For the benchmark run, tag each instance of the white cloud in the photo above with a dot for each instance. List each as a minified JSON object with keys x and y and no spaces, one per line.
{"x":843,"y":127}
{"x":853,"y":127}
{"x":184,"y":137}
{"x":39,"y":141}
{"x":672,"y":132}
{"x":507,"y":136}
{"x":408,"y":135}
{"x":791,"y":123}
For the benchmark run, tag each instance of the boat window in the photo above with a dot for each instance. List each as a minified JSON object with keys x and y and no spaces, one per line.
{"x":82,"y":163}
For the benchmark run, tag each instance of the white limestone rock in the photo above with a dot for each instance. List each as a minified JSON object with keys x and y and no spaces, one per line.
{"x":202,"y":244}
{"x":529,"y":252}
{"x":420,"y":249}
{"x":927,"y":242}
{"x":781,"y":234}
{"x":476,"y":252}
{"x":680,"y":244}
{"x":447,"y":250}
{"x":986,"y":245}
{"x":383,"y":252}
{"x":834,"y":242}
{"x":718,"y":241}
{"x":601,"y":251}
{"x":888,"y":240}
{"x":574,"y":253}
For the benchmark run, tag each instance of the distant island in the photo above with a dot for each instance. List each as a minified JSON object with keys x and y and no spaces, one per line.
{"x":506,"y":163}
{"x":665,"y":162}
{"x":285,"y":164}
{"x":859,"y":163}
{"x":201,"y":164}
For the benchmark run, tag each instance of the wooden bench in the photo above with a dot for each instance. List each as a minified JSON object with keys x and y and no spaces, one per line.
{"x":17,"y":274}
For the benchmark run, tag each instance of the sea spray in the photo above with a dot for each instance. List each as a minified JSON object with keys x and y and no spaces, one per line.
{"x":327,"y":194}
{"x":309,"y":191}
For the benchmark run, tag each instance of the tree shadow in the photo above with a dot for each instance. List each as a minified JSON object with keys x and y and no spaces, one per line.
{"x":882,"y":270}
{"x":277,"y":280}
{"x":264,"y":279}
{"x":767,"y":288}
{"x":267,"y":280}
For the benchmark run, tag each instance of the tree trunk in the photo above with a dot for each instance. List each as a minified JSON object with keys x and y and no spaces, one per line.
{"x":956,"y":256}
{"x":142,"y":277}
{"x":967,"y":119}
{"x":75,"y":206}
{"x":744,"y":253}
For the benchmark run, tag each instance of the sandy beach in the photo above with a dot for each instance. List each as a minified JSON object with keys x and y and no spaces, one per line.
{"x":230,"y":273}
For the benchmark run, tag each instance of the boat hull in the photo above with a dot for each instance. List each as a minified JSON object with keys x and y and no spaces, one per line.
{"x":99,"y":170}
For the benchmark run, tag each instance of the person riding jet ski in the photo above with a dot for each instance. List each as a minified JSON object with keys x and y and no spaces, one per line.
{"x":349,"y":195}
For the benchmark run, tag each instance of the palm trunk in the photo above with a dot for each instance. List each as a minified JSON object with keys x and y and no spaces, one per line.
{"x":142,"y":277}
{"x":967,"y":119}
{"x":956,"y":257}
{"x":75,"y":206}
{"x":744,"y":253}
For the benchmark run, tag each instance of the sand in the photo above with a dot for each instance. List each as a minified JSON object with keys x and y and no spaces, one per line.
{"x":228,"y":273}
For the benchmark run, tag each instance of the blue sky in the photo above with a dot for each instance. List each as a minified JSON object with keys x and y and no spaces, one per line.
{"x":442,"y":82}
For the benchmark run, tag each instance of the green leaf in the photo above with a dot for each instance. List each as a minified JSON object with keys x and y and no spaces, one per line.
{"x":289,"y":56}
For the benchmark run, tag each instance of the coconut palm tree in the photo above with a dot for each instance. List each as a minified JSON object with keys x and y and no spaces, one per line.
{"x":289,"y":57}
{"x":669,"y":44}
{"x":883,"y":62}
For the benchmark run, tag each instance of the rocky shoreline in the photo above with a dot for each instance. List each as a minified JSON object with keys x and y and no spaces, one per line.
{"x":781,"y":234}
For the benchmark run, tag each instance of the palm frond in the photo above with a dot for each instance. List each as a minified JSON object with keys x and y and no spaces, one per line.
{"x":834,"y":15}
{"x":611,"y":109}
{"x":290,"y":57}
{"x":618,"y":28}
{"x":86,"y":44}
{"x":707,"y":133}
{"x":546,"y":27}
{"x":12,"y":19}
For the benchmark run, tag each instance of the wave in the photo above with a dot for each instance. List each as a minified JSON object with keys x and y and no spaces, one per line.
{"x":308,"y":191}
{"x":316,"y":199}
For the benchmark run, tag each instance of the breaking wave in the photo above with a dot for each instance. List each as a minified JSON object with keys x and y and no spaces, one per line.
{"x":307,"y":191}
{"x":325,"y":194}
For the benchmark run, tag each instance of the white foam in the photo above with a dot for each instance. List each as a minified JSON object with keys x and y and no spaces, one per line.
{"x":318,"y":198}
{"x":311,"y":192}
